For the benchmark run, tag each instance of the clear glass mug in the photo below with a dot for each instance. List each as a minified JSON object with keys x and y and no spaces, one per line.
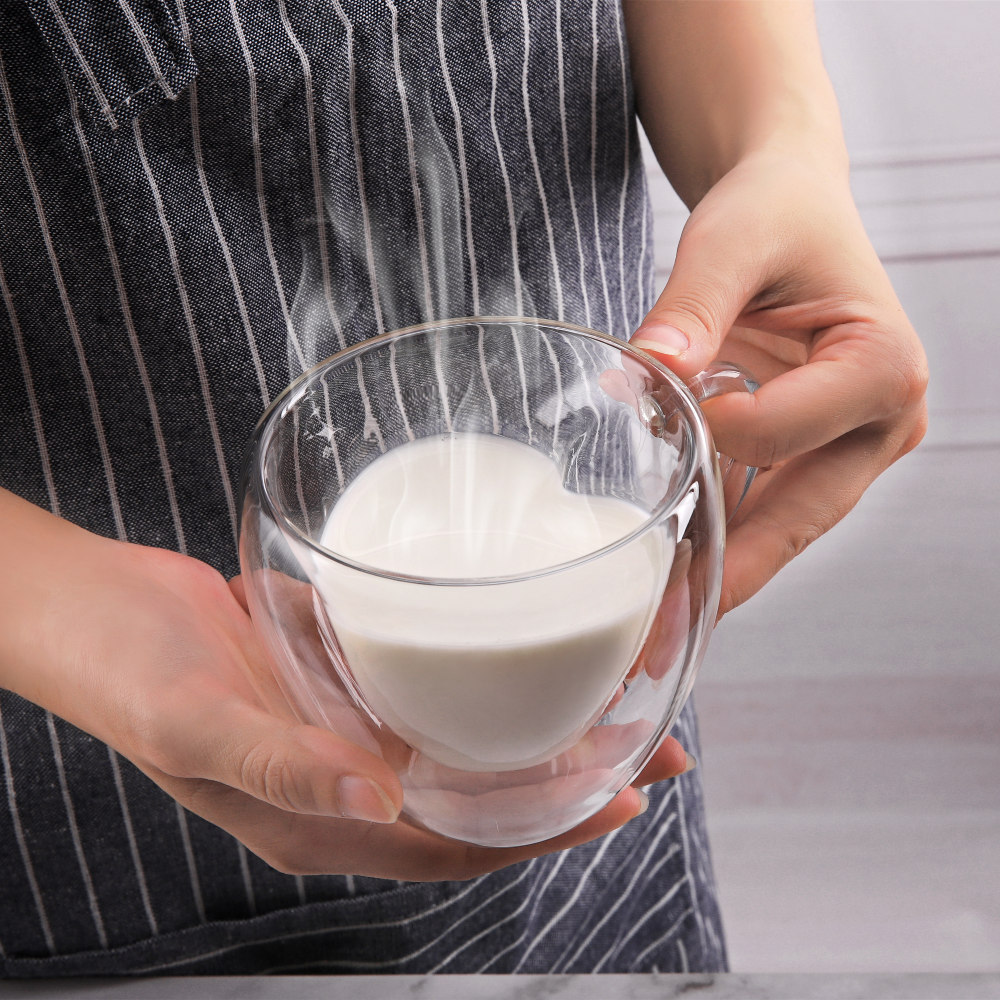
{"x":511,"y":707}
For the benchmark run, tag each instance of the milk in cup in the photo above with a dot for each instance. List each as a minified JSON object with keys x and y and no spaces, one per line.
{"x":499,"y":676}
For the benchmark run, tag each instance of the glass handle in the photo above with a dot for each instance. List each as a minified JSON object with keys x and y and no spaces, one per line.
{"x":718,"y":378}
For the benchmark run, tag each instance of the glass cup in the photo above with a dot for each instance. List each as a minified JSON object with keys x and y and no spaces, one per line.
{"x":514,"y":688}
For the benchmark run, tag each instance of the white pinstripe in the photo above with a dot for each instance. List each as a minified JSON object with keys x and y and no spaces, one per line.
{"x":571,"y":902}
{"x":666,"y":936}
{"x":550,"y":878}
{"x":412,"y":158}
{"x":486,"y":902}
{"x":585,"y":381}
{"x":559,"y":389}
{"x":645,"y":292}
{"x":394,"y":375}
{"x":627,"y":154}
{"x":300,"y":888}
{"x":333,"y":434}
{"x":132,"y":844}
{"x":350,"y":964}
{"x":216,"y":225}
{"x":560,"y":306}
{"x":182,"y":823}
{"x":74,"y":831}
{"x":29,"y":384}
{"x":655,"y":823}
{"x":324,"y":256}
{"x":147,"y":49}
{"x":22,"y":844}
{"x":371,"y":427}
{"x":359,"y":164}
{"x":597,"y":363}
{"x":511,"y":217}
{"x":462,"y":167}
{"x":258,"y":167}
{"x":623,"y":475}
{"x":486,"y":379}
{"x":227,"y":254}
{"x":319,"y":200}
{"x":524,"y":382}
{"x":291,"y":935}
{"x":439,"y":177}
{"x":593,"y":167}
{"x":317,"y":179}
{"x":247,"y":880}
{"x":606,"y":842}
{"x":192,"y":330}
{"x":538,"y":890}
{"x":84,"y":65}
{"x":573,"y":899}
{"x":681,"y":951}
{"x":569,"y":174}
{"x":441,"y":381}
{"x":161,"y":444}
{"x":418,"y":209}
{"x":686,"y":847}
{"x":634,"y":925}
{"x":489,"y":930}
{"x":298,"y":470}
{"x":88,"y":382}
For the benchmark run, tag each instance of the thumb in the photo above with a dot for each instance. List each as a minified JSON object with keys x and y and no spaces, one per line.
{"x":297,"y":768}
{"x":717,"y":272}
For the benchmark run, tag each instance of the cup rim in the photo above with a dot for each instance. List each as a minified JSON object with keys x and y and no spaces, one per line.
{"x":291,"y":394}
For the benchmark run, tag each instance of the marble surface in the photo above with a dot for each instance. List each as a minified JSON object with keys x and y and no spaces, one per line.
{"x":636,"y":987}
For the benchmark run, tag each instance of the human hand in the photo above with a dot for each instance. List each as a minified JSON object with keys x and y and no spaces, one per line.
{"x":153,"y":653}
{"x":774,"y":271}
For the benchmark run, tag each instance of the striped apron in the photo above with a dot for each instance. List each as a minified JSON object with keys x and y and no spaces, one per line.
{"x":198,"y":202}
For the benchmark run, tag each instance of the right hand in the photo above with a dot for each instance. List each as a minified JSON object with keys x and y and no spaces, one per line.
{"x":152,"y":652}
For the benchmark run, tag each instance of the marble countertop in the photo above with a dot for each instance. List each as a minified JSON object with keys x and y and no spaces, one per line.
{"x":783,"y":986}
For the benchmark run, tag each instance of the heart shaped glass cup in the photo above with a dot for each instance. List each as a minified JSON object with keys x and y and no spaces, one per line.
{"x":489,"y":550}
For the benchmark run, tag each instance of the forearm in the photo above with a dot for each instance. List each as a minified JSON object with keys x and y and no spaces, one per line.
{"x":718,"y":82}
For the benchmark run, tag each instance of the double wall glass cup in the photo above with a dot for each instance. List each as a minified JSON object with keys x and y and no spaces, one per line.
{"x":489,"y":550}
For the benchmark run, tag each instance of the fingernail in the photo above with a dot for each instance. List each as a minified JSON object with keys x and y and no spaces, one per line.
{"x":692,"y":763}
{"x":362,"y":798}
{"x":643,"y":802}
{"x":661,"y":340}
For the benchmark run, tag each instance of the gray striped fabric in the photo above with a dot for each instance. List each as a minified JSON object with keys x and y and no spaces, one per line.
{"x":197,"y":203}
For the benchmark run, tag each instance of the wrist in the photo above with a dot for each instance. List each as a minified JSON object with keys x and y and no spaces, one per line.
{"x":46,"y":559}
{"x":718,"y":83}
{"x":818,"y":153}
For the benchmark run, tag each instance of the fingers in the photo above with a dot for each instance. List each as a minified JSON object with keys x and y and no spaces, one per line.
{"x":223,"y":738}
{"x":725,"y":257}
{"x":239,"y":591}
{"x":669,"y":761}
{"x":310,"y":845}
{"x":798,"y":503}
{"x":857,"y":376}
{"x":304,"y":844}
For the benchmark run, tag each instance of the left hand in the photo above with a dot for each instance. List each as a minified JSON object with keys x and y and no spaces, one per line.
{"x":774,"y":271}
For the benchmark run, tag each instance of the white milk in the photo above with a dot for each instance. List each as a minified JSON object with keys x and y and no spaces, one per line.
{"x":498,"y":677}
